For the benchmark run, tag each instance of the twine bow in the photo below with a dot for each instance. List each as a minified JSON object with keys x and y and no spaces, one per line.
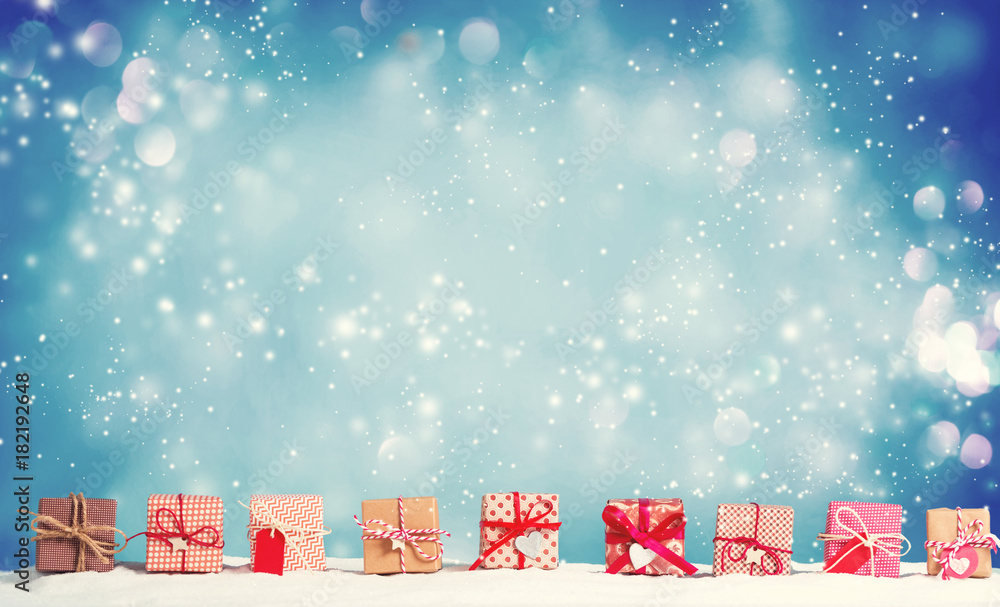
{"x":79,"y":529}
{"x":165,"y":535}
{"x":517,"y":528}
{"x":624,"y":532}
{"x":275,"y":524}
{"x":944,"y":553}
{"x":748,"y":543}
{"x":871,"y":541}
{"x":400,"y":536}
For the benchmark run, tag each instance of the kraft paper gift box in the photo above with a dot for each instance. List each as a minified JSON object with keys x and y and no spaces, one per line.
{"x":753,"y":539}
{"x":386,"y":550}
{"x":286,"y":533}
{"x":527,"y":535}
{"x":184,"y":533}
{"x":645,"y":536}
{"x":58,"y":551}
{"x":844,"y":553}
{"x":973,"y":557}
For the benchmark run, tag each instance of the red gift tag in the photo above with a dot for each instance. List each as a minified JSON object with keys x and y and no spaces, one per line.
{"x":850,"y":558}
{"x":963,"y":564}
{"x":269,"y":552}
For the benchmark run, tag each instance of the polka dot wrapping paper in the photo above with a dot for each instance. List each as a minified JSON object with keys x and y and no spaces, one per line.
{"x":302,"y":511}
{"x":199,"y":515}
{"x":540,"y":551}
{"x":59,"y":555}
{"x":659,"y":510}
{"x":877,"y":518}
{"x":771,"y":529}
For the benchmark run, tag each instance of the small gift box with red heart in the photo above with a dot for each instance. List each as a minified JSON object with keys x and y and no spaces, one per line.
{"x":863,"y":538}
{"x":286,"y":533}
{"x":753,"y":539}
{"x":645,"y":536}
{"x":519,"y":530}
{"x":184,"y":533}
{"x":401,"y":535}
{"x":959,"y":543}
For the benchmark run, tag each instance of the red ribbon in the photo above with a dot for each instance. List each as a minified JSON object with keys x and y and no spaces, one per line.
{"x":517,"y":527}
{"x":748,"y":543}
{"x":625,"y":533}
{"x":164,"y":534}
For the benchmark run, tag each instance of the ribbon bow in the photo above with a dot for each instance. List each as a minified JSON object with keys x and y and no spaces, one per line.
{"x":401,"y":535}
{"x":849,"y":561}
{"x":748,"y":543}
{"x":622,"y":531}
{"x":944,"y":553}
{"x":273,"y":523}
{"x":517,"y":528}
{"x":166,"y":535}
{"x":79,"y":529}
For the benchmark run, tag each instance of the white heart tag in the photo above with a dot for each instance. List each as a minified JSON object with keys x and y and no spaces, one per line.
{"x":960,"y":566}
{"x":640,"y":556}
{"x":529,"y":545}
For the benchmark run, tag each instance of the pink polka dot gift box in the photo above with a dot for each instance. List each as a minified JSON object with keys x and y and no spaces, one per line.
{"x":519,"y":530}
{"x":645,"y":536}
{"x":863,"y":538}
{"x":184,"y":533}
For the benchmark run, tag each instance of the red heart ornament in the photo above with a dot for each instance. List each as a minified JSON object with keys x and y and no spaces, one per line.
{"x":269,"y":552}
{"x":962,"y":563}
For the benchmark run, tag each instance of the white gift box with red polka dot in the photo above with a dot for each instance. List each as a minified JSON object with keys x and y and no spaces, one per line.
{"x":540,"y":546}
{"x":187,"y":534}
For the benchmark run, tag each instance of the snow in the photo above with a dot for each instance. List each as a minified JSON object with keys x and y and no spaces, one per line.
{"x":572,"y":584}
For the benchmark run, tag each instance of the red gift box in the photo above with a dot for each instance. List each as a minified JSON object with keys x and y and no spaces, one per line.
{"x":645,"y":536}
{"x":519,"y":530}
{"x":75,"y":534}
{"x":184,"y":533}
{"x":849,"y":525}
{"x":753,"y":539}
{"x":286,"y":533}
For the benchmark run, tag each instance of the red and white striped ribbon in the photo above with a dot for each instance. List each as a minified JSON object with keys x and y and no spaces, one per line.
{"x":404,"y":535}
{"x":944,"y":552}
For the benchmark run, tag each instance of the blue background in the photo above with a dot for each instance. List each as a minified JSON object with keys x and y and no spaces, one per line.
{"x":433,"y":232}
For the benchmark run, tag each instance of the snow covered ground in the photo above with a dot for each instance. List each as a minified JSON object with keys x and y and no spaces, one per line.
{"x":571,"y":584}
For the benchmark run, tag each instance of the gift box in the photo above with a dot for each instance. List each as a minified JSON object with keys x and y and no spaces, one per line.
{"x":401,"y":535}
{"x":959,"y":542}
{"x":75,"y":534}
{"x":645,"y":536}
{"x":753,"y":539}
{"x":848,"y":524}
{"x":184,"y":533}
{"x":286,"y":533}
{"x":519,"y":530}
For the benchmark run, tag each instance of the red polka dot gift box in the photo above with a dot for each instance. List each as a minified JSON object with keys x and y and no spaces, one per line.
{"x":75,"y":534}
{"x":286,"y":533}
{"x":753,"y":539}
{"x":184,"y":533}
{"x":645,"y":536}
{"x":863,"y":538}
{"x":519,"y":530}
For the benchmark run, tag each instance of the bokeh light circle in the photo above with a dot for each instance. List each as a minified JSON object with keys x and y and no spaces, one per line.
{"x":155,"y":145}
{"x":732,"y":427}
{"x":542,"y":60}
{"x":424,"y":45}
{"x":101,"y":44}
{"x":970,"y":197}
{"x":976,"y":451}
{"x":928,"y":203}
{"x":479,"y":41}
{"x":920,"y":264}
{"x":942,"y":439}
{"x":738,"y":148}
